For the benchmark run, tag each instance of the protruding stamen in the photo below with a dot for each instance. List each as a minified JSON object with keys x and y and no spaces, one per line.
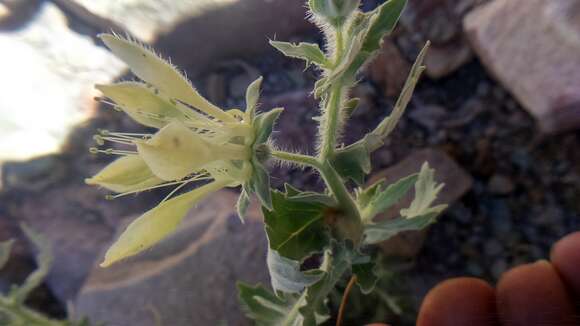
{"x":110,"y":151}
{"x":175,"y":190}
{"x":118,"y":140}
{"x":99,"y":140}
{"x":181,"y":183}
{"x":99,"y":99}
{"x":119,"y":137}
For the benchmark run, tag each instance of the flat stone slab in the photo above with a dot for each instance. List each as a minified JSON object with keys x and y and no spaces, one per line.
{"x":77,"y":221}
{"x":48,"y":73}
{"x":189,"y":278}
{"x":147,"y":18}
{"x":533,"y":48}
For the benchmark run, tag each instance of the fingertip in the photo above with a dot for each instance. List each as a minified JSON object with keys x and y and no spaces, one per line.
{"x":533,"y":294}
{"x":458,"y":302}
{"x":565,"y":256}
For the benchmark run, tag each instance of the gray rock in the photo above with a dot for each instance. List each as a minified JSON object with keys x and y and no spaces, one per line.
{"x":35,"y":174}
{"x":76,"y":220}
{"x":187,"y":279}
{"x":20,"y":263}
{"x":441,"y":61}
{"x":532,"y":47}
{"x":457,"y":183}
{"x":38,"y":113}
{"x":428,"y":116}
{"x":239,"y":29}
{"x":439,"y":21}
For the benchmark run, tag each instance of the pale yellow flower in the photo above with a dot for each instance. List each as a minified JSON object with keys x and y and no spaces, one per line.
{"x":195,"y":141}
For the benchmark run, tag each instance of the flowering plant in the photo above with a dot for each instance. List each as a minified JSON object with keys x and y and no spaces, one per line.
{"x":199,"y":142}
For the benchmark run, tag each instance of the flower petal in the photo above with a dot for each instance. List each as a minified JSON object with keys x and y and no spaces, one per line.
{"x":141,"y":103}
{"x":156,"y":224}
{"x":128,"y":173}
{"x":175,"y":152}
{"x":146,"y":65}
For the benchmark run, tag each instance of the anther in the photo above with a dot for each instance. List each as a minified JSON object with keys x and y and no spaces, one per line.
{"x":93,"y":150}
{"x":99,"y":140}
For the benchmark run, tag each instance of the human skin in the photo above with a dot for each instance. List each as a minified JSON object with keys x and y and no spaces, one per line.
{"x":541,"y":293}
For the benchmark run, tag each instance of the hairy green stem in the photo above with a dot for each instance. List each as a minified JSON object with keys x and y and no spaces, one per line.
{"x":330,"y":122}
{"x":349,"y":225}
{"x":299,"y":159}
{"x":339,"y":46}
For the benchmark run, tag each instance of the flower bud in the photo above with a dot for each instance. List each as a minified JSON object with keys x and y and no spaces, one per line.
{"x":334,"y":12}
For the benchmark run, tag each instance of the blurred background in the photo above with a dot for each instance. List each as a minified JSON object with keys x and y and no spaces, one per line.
{"x":497,"y":114}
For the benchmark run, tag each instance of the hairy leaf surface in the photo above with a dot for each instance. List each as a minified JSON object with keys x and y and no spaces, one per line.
{"x":295,"y":229}
{"x":308,"y":52}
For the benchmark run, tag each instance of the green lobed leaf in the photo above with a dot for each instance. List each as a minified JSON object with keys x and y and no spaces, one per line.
{"x":364,"y":196}
{"x":366,"y":276}
{"x":267,"y":309}
{"x":381,"y":199}
{"x":343,"y":69}
{"x":419,"y":214}
{"x":379,"y":232}
{"x":264,"y":123}
{"x":295,"y":229}
{"x":375,"y":139}
{"x":307,"y":309}
{"x":353,"y":162}
{"x":337,"y":261}
{"x":285,"y":274}
{"x":314,"y":197}
{"x":426,"y":190}
{"x":387,"y":16}
{"x":290,"y":190}
{"x":297,"y":195}
{"x":308,"y":52}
